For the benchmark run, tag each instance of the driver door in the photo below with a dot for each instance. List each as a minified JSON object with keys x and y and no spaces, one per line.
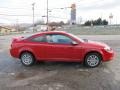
{"x":60,"y":47}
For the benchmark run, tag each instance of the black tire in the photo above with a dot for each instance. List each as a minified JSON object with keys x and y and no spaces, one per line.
{"x":93,"y":62}
{"x":30,"y":60}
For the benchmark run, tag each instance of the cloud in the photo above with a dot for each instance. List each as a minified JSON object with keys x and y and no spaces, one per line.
{"x":99,"y":4}
{"x":93,"y":8}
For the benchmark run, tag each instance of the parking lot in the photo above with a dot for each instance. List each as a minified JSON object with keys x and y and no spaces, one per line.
{"x":59,"y":75}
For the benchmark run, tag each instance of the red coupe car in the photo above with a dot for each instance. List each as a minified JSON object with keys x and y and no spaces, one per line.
{"x":60,"y":46}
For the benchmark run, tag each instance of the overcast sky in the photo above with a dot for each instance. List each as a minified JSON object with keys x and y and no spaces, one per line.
{"x":11,"y":10}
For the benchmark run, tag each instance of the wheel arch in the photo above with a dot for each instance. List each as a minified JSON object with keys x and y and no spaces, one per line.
{"x":94,"y":51}
{"x":27,"y":52}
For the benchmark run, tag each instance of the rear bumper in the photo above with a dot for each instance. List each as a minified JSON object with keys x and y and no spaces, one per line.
{"x":14,"y":53}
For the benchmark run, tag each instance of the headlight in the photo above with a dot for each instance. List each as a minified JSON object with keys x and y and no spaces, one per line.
{"x":108,"y":49}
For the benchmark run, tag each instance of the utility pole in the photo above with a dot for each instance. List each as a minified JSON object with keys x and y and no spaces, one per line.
{"x":33,"y":4}
{"x":47,"y":14}
{"x":17,"y":26}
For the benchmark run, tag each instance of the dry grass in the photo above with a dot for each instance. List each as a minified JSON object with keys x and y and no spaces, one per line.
{"x":96,"y":30}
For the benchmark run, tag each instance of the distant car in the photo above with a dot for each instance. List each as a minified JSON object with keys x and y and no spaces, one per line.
{"x":60,"y":46}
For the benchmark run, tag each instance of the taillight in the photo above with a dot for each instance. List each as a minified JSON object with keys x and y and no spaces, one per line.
{"x":14,"y":40}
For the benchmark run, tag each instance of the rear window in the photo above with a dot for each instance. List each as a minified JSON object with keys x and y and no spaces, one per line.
{"x":39,"y":39}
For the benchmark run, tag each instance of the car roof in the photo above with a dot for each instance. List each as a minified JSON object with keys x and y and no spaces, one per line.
{"x":52,"y":32}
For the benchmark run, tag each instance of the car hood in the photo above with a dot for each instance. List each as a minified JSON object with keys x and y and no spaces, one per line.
{"x":96,"y":44}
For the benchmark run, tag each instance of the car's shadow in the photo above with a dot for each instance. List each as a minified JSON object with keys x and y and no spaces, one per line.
{"x":58,"y":65}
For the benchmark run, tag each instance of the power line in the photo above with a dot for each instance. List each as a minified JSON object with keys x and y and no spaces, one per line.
{"x":60,"y":8}
{"x":30,"y":15}
{"x":12,"y":15}
{"x":12,"y":8}
{"x":8,"y":8}
{"x":56,"y":17}
{"x":7,"y":19}
{"x":37,"y":15}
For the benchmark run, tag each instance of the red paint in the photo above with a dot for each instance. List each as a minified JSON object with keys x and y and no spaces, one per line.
{"x":58,"y":52}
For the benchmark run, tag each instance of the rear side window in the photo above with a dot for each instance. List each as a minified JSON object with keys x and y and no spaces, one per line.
{"x":39,"y":39}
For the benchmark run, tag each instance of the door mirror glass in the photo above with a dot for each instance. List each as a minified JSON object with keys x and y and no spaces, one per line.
{"x":74,"y":43}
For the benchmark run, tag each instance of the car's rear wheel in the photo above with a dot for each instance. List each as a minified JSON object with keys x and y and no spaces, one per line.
{"x":27,"y":59}
{"x":92,"y":60}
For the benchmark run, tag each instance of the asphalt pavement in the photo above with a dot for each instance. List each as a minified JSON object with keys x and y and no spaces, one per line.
{"x":59,"y":75}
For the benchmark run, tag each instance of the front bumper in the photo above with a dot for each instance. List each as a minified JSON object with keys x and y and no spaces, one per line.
{"x":108,"y":56}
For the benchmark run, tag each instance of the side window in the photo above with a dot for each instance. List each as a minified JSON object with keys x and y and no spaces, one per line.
{"x":49,"y":38}
{"x":57,"y":38}
{"x":39,"y":39}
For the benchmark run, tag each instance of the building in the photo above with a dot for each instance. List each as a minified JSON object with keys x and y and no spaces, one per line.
{"x":6,"y":30}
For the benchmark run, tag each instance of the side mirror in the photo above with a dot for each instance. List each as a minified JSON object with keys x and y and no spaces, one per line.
{"x":74,"y":43}
{"x":86,"y":40}
{"x":22,"y":37}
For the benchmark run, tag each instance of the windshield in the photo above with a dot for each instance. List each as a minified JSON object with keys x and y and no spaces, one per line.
{"x":76,"y":37}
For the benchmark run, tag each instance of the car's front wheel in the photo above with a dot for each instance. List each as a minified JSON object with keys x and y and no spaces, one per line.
{"x":27,"y":59}
{"x":92,"y":60}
